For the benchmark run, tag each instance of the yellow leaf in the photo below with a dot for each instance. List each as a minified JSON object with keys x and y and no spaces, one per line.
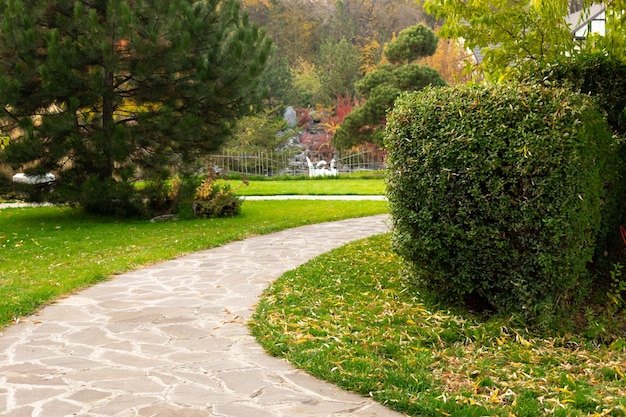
{"x":494,"y":396}
{"x":522,"y":341}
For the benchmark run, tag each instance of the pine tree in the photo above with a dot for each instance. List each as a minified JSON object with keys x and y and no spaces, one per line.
{"x":381,"y":87}
{"x":105,"y":92}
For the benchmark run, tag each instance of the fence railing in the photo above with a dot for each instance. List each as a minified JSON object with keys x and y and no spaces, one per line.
{"x":270,"y":164}
{"x":362,"y":161}
{"x":260,"y":163}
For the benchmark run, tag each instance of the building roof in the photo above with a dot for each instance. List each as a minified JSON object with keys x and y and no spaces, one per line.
{"x":580,"y":24}
{"x":581,"y":20}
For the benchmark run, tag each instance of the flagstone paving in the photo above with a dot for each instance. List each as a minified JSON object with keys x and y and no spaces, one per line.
{"x":171,"y":340}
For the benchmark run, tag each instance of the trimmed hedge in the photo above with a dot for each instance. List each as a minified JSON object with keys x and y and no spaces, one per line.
{"x":603,"y":77}
{"x":496,"y":193}
{"x":597,"y":74}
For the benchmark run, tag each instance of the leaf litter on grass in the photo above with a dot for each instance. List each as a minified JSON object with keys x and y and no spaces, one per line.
{"x":351,"y":317}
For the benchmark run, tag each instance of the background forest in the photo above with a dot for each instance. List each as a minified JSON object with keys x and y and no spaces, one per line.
{"x":321,"y":49}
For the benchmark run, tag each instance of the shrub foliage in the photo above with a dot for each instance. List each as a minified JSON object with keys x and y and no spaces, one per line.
{"x":497,"y":193}
{"x":602,"y":77}
{"x":215,"y":198}
{"x":597,"y":74}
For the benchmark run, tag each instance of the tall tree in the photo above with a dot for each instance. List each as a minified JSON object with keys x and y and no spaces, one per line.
{"x":293,"y":28}
{"x":338,"y":66}
{"x":306,"y":84}
{"x":341,"y":24}
{"x":102,"y":92}
{"x":278,"y":80}
{"x":381,"y":87}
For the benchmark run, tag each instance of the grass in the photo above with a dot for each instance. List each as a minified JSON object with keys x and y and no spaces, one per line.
{"x":363,"y":175}
{"x":47,"y":252}
{"x":327,"y":186}
{"x":350,"y":317}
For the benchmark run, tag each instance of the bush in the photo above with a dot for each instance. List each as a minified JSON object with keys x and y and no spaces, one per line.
{"x":109,"y":197}
{"x":603,"y":77}
{"x":125,"y":199}
{"x":214,"y":198}
{"x":496,"y":193}
{"x":597,"y":74}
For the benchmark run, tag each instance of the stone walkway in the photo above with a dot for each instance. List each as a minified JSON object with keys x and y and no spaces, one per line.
{"x":171,"y":340}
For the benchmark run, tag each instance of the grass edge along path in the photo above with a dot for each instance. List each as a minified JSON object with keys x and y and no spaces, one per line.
{"x":349,"y":317}
{"x":48,"y":252}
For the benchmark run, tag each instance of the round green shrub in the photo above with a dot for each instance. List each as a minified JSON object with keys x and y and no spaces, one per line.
{"x":496,"y":193}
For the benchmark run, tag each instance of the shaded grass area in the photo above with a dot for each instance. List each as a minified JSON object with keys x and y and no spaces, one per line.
{"x":350,"y":317}
{"x":46,"y":252}
{"x":328,"y":186}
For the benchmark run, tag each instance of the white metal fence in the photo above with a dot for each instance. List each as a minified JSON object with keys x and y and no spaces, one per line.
{"x":282,"y":163}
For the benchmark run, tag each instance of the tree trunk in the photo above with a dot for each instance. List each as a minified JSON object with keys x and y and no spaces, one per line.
{"x":108,"y":108}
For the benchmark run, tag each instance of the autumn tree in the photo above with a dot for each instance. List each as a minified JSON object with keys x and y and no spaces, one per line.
{"x":293,"y":28}
{"x":259,"y":132}
{"x":449,"y":60}
{"x":380,"y":88}
{"x":380,"y":19}
{"x":307,"y":84}
{"x":341,"y":24}
{"x":103,"y":93}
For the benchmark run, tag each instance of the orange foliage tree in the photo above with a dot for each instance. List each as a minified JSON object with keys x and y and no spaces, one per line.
{"x":449,"y":59}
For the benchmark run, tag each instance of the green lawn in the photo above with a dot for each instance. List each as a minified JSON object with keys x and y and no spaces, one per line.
{"x":46,"y":252}
{"x":327,"y":186}
{"x":350,"y":317}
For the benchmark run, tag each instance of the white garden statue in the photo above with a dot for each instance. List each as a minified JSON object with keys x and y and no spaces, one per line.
{"x":320,"y":170}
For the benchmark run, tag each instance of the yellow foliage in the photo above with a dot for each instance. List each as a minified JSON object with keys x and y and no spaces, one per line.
{"x":255,"y":3}
{"x":305,"y":76}
{"x":370,"y":52}
{"x":449,"y":59}
{"x":4,"y":142}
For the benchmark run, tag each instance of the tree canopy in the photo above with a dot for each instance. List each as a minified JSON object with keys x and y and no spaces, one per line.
{"x":381,"y":87}
{"x":322,"y":42}
{"x":509,"y":34}
{"x":105,"y":92}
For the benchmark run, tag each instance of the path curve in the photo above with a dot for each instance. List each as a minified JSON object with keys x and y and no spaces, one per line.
{"x":171,"y":340}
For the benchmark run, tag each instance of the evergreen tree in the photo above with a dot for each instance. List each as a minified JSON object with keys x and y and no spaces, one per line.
{"x":105,"y":92}
{"x":338,"y":66}
{"x":278,"y":80}
{"x":381,"y":87}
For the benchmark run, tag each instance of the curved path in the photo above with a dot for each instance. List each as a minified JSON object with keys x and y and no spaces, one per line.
{"x":171,"y":340}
